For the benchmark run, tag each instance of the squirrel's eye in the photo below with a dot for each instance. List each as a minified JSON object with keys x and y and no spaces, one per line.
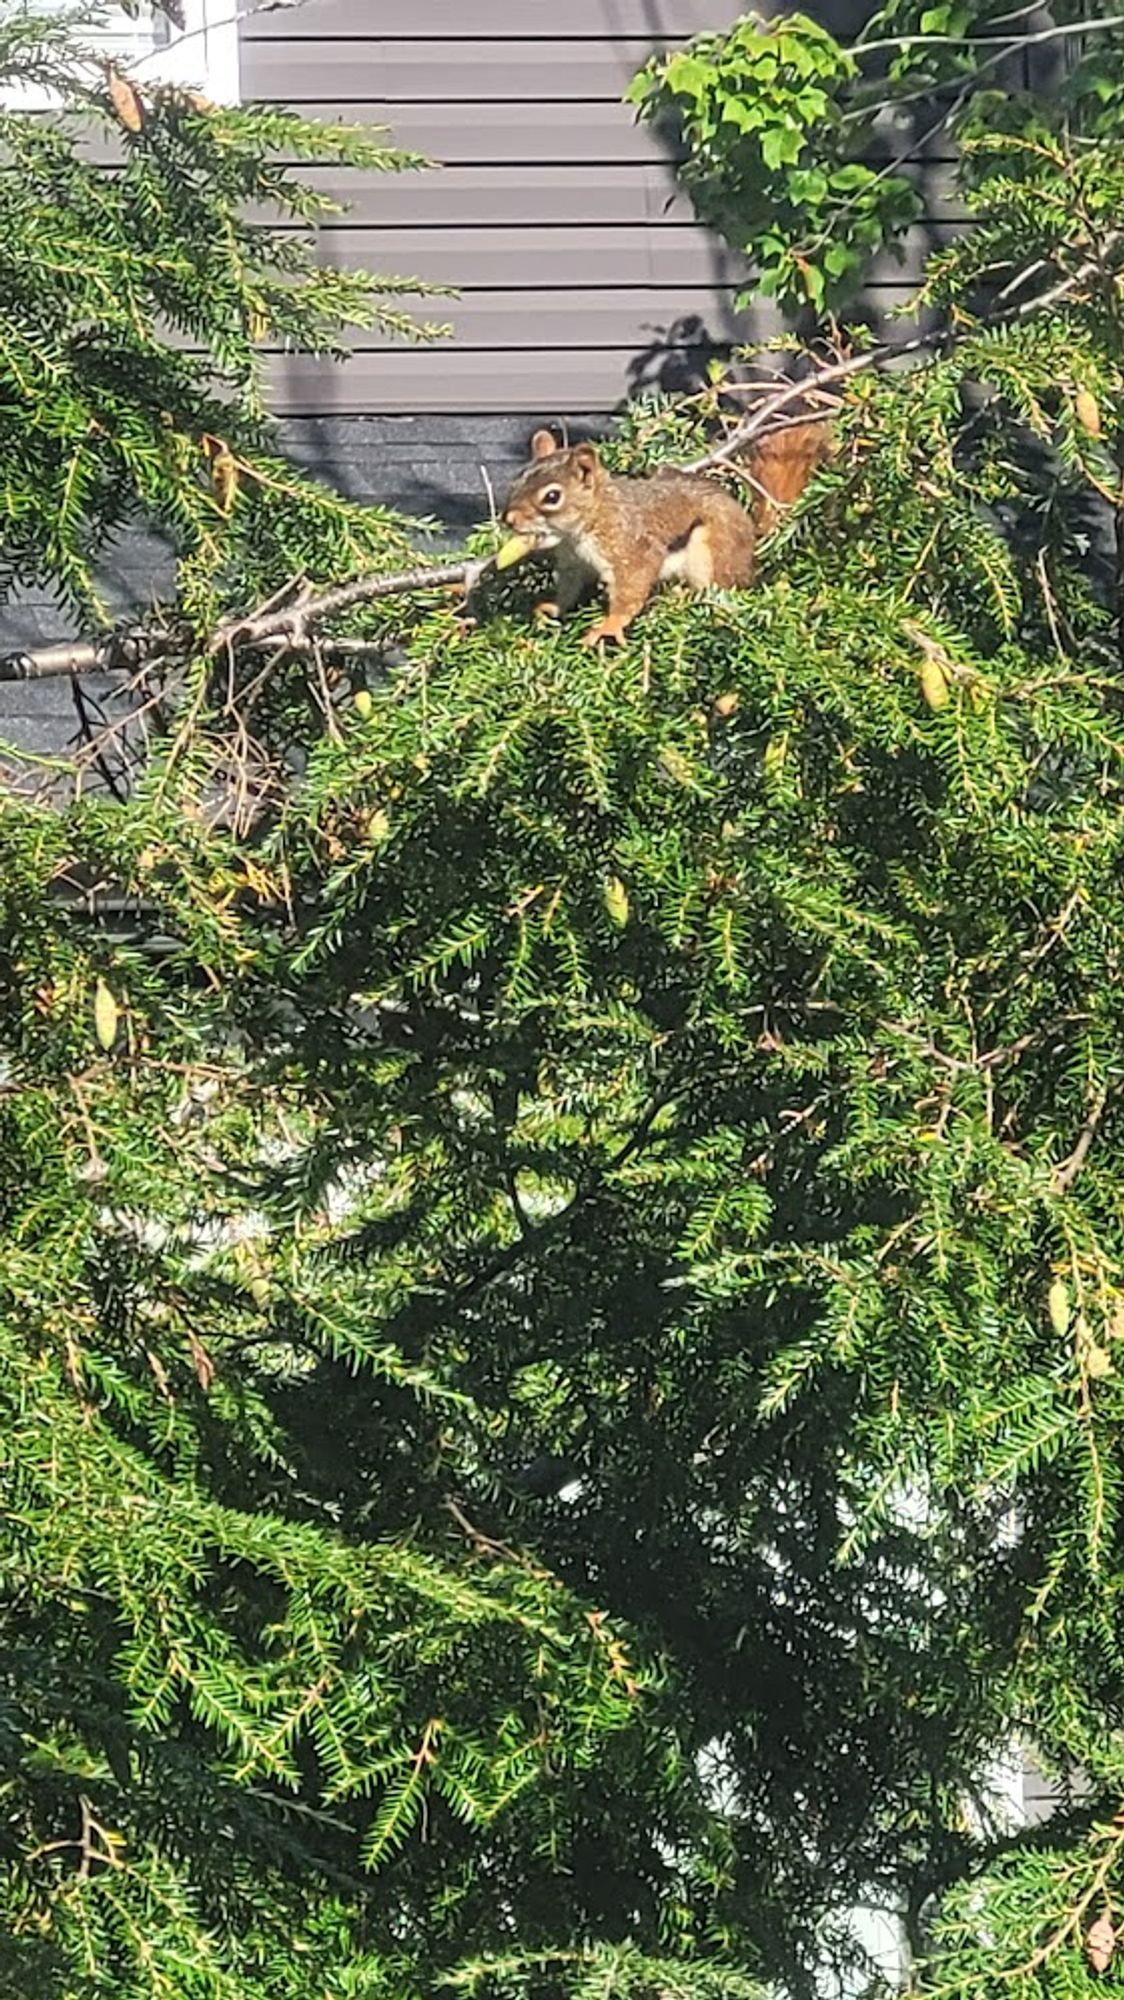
{"x":552,"y":497}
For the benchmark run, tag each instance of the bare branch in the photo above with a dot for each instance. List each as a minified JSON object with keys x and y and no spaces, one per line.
{"x":290,"y":624}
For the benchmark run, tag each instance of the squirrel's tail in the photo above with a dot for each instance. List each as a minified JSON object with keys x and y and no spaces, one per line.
{"x":780,"y":466}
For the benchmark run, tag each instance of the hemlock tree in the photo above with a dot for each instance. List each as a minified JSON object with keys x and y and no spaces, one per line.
{"x":140,"y":307}
{"x":689,"y":1075}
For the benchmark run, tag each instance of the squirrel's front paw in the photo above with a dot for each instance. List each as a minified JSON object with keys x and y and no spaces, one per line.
{"x":548,"y":608}
{"x":606,"y":628}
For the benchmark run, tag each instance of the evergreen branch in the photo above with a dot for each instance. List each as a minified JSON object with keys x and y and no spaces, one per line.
{"x":1005,"y":43}
{"x":530,"y":1243}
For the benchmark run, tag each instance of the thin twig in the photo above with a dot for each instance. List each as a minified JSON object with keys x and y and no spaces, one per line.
{"x":1066,"y":1174}
{"x":1006,"y":42}
{"x":763,"y":417}
{"x":487,"y":1545}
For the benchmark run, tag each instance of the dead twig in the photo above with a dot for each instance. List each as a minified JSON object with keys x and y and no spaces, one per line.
{"x":291,"y":624}
{"x":777,"y":404}
{"x":487,"y":1545}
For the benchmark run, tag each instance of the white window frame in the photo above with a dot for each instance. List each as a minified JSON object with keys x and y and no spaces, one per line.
{"x":202,"y":56}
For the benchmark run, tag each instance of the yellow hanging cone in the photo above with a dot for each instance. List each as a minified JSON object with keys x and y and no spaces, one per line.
{"x":105,"y":1016}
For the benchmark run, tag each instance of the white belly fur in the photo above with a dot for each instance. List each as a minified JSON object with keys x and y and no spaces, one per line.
{"x":589,"y":557}
{"x":694,"y":562}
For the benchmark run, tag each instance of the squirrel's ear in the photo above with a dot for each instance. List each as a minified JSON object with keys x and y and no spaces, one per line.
{"x":543,"y":444}
{"x":585,"y":462}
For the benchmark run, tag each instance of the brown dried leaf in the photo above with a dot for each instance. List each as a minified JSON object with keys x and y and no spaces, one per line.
{"x":125,"y":100}
{"x":160,"y":1374}
{"x":1100,"y":1943}
{"x":201,"y":1362}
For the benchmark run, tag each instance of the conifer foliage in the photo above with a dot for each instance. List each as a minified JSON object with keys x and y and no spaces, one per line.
{"x":562,"y":1297}
{"x":141,"y":306}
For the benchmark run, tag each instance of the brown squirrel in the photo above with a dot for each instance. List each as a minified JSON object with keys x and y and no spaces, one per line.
{"x":630,"y":534}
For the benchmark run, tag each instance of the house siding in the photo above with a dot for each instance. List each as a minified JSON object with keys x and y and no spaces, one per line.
{"x":582,"y":274}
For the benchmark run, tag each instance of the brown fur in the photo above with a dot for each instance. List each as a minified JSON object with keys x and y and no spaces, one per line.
{"x":631,"y":534}
{"x":781,"y":466}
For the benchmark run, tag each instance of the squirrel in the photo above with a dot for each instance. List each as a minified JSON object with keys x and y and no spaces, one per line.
{"x":630,"y":534}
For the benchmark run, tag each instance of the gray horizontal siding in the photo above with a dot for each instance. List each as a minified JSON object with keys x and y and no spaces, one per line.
{"x":559,"y":133}
{"x":546,"y":381}
{"x":358,"y":68}
{"x":506,"y":195}
{"x":517,"y":380}
{"x":488,"y":20}
{"x":581,"y":271}
{"x":550,"y":216}
{"x":604,"y":257}
{"x":656,"y":305}
{"x":671,"y":316}
{"x":501,"y":196}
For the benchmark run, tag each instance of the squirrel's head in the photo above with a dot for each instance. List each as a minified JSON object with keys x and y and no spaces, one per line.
{"x":554,"y":496}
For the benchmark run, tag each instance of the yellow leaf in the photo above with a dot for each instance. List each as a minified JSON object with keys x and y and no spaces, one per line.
{"x":1098,"y":1363}
{"x":363,"y":702}
{"x":776,"y":753}
{"x":1087,"y":411}
{"x":678,"y":767}
{"x":224,"y":478}
{"x":934,"y":682}
{"x":105,"y":1016}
